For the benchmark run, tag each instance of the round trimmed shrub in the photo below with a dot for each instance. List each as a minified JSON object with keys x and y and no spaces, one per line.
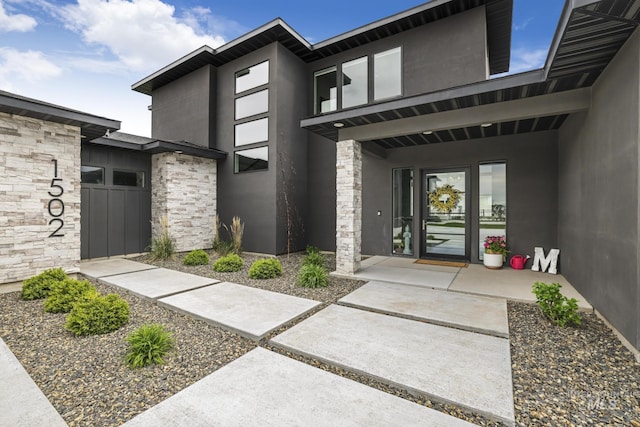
{"x":313,"y":276}
{"x":266,"y":268}
{"x":147,"y":345}
{"x":228,"y":264}
{"x":38,"y":287}
{"x":98,"y":315}
{"x":66,"y":293}
{"x":197,"y":257}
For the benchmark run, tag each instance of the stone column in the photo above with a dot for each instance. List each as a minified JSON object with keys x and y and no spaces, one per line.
{"x":39,"y":197}
{"x":183,"y":188}
{"x":348,"y":206}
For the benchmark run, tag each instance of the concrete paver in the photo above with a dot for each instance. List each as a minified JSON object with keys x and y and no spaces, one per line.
{"x":110,"y":267}
{"x":510,"y":284}
{"x":248,"y":311}
{"x":415,"y":277}
{"x":263,"y":388}
{"x":22,"y":404}
{"x":158,"y":282}
{"x":465,"y":368}
{"x":473,"y":313}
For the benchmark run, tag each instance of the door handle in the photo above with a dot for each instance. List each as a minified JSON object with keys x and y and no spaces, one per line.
{"x":424,"y":225}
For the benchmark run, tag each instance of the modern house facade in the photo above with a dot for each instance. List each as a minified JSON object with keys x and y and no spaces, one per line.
{"x":393,"y":139}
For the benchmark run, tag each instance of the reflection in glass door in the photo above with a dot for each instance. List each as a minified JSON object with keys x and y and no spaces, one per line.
{"x":445,"y":223}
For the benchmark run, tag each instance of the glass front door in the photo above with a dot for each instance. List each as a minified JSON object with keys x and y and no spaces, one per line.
{"x":445,"y":222}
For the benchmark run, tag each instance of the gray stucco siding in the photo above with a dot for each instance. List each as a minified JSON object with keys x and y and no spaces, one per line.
{"x":182,"y":110}
{"x":435,"y":56}
{"x":598,"y":194}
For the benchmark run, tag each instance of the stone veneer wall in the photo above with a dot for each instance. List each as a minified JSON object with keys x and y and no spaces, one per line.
{"x":28,"y":147}
{"x":348,"y":206}
{"x":183,"y":188}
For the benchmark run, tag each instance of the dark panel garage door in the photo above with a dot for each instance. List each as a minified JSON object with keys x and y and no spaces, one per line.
{"x":116,"y":202}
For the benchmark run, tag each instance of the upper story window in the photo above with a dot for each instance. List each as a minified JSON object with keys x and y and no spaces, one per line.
{"x":254,"y":159}
{"x":251,"y":77}
{"x":354,"y":82}
{"x":387,"y":74}
{"x":253,"y":104}
{"x":325,"y":90}
{"x":252,"y":132}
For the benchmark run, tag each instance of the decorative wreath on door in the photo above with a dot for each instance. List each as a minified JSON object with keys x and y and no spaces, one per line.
{"x":439,"y":201}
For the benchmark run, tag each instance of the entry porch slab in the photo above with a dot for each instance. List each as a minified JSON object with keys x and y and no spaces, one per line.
{"x":415,"y":277}
{"x":158,"y":282}
{"x":250,"y":312}
{"x":469,"y":312}
{"x":453,"y":366}
{"x":263,"y":388}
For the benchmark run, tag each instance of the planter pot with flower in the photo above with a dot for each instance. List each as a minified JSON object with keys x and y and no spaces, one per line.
{"x":495,"y":252}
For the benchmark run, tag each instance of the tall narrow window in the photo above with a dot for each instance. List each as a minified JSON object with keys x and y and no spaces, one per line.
{"x":493,"y":202}
{"x":402,"y":214}
{"x":387,"y":78}
{"x":252,"y":132}
{"x":254,"y":159}
{"x":354,"y":82}
{"x":251,"y":77}
{"x":253,"y":104}
{"x":325,"y":90}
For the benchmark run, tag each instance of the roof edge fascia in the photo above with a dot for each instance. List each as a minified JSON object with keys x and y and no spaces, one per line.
{"x":565,"y":17}
{"x":380,"y":22}
{"x":56,"y":111}
{"x":187,"y":57}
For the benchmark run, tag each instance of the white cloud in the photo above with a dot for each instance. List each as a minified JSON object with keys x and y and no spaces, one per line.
{"x":522,"y":25}
{"x":27,"y":66}
{"x":18,"y":22}
{"x":143,"y":34}
{"x":526,"y":59}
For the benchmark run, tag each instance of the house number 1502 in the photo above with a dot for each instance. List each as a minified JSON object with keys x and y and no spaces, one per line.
{"x":56,"y":205}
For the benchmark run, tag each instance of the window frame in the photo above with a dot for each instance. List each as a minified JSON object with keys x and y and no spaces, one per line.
{"x":401,"y":83}
{"x":248,"y":70}
{"x":104,"y":175}
{"x":316,"y":74}
{"x":235,"y":160}
{"x":366,"y":85}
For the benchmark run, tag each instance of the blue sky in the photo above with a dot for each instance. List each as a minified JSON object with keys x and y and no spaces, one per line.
{"x":85,"y":54}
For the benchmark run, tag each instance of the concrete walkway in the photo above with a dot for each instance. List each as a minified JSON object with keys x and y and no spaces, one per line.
{"x":247,"y":311}
{"x":469,"y":312}
{"x":263,"y":388}
{"x":22,"y":404}
{"x":467,"y":369}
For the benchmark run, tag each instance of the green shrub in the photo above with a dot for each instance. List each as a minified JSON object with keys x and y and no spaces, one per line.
{"x":558,"y":308}
{"x":312,"y":250}
{"x":98,"y":315}
{"x":162,"y":245}
{"x":39,"y":286}
{"x":313,"y":258}
{"x":197,"y":257}
{"x":66,"y":293}
{"x":266,"y":268}
{"x":147,"y":345}
{"x":227,"y":264}
{"x":313,"y":276}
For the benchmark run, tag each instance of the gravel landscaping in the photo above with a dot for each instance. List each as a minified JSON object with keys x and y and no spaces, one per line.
{"x":561,"y":376}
